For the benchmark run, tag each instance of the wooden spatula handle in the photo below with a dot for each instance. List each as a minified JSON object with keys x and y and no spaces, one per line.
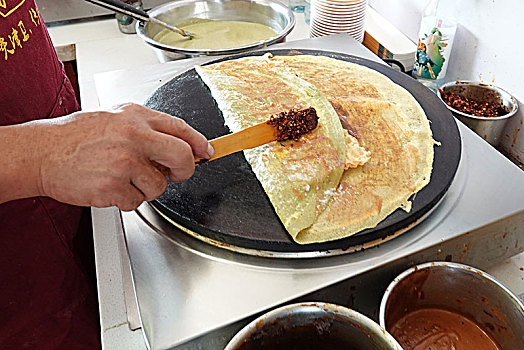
{"x":250,"y":137}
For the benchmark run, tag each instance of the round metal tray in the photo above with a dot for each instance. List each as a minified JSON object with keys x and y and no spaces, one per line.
{"x":225,"y":205}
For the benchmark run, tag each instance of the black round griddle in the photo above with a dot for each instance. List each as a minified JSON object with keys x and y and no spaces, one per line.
{"x":225,"y":202}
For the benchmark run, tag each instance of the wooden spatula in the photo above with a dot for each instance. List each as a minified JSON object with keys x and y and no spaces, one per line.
{"x":285,"y":126}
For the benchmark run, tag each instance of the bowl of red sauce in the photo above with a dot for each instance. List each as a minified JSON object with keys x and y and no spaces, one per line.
{"x":484,"y":108}
{"x":441,"y":305}
{"x":312,"y":326}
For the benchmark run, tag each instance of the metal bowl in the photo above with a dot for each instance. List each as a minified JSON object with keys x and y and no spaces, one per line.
{"x":458,"y":288}
{"x":315,"y":325}
{"x":488,"y":128}
{"x":271,"y":13}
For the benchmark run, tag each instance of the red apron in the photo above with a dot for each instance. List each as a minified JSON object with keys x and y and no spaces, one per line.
{"x":47,"y":291}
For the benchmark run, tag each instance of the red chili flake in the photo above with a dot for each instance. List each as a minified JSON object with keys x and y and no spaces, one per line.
{"x":293,"y":124}
{"x":473,"y":107}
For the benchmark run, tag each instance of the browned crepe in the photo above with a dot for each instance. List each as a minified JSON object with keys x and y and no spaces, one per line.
{"x":386,"y":120}
{"x":298,"y":176}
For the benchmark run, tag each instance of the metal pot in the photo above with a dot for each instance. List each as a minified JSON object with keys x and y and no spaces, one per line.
{"x":315,"y":324}
{"x":461,"y":289}
{"x":271,"y":13}
{"x":490,"y":128}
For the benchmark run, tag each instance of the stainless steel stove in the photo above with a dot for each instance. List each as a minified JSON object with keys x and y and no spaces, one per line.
{"x":188,"y":292}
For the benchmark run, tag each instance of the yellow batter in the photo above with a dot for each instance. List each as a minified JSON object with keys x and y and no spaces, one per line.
{"x":214,"y":35}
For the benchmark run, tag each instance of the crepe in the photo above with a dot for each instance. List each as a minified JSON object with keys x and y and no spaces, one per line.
{"x":299,"y":177}
{"x":382,"y":116}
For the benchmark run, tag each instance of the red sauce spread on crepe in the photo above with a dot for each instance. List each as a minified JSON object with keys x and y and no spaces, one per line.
{"x":293,"y":124}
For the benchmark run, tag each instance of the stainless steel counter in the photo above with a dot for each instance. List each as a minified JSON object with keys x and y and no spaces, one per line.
{"x":190,"y":294}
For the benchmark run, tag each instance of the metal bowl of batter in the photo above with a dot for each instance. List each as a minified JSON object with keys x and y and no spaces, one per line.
{"x":273,"y":14}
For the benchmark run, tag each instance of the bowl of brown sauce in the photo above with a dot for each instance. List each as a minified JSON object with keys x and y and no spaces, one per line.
{"x":484,"y":108}
{"x":312,"y":326}
{"x":220,"y":27}
{"x":441,"y":305}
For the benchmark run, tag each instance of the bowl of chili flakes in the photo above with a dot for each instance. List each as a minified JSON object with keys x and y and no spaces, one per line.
{"x":484,"y":108}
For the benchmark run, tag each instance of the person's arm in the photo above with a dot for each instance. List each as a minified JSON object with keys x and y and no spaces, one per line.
{"x":99,"y":158}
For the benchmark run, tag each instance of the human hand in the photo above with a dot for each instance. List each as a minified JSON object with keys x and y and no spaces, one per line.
{"x":105,"y":158}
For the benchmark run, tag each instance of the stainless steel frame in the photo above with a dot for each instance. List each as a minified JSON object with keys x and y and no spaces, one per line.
{"x":191,"y":294}
{"x":187,"y":288}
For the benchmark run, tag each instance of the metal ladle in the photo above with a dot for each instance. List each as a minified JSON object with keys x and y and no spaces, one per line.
{"x":141,"y":15}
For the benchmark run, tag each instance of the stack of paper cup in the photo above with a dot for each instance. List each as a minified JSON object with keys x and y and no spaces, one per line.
{"x":338,"y":16}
